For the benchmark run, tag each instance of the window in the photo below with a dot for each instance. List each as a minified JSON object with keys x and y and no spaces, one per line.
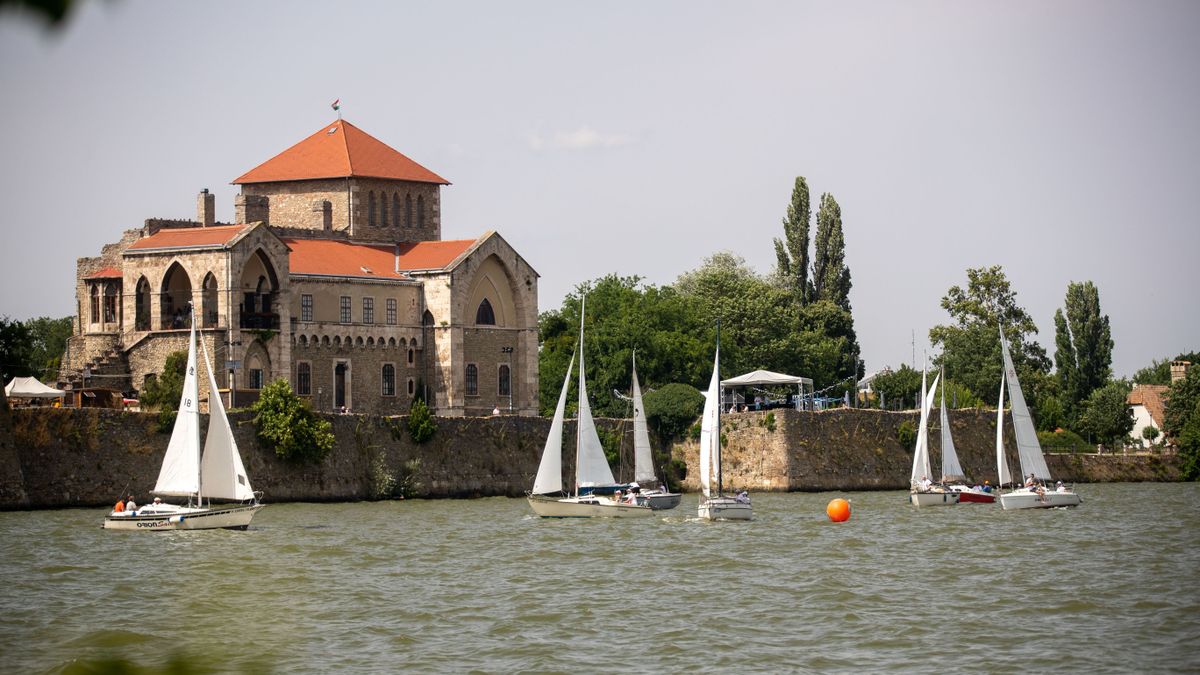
{"x":504,"y":387}
{"x":411,"y":357}
{"x":256,"y":378}
{"x":304,"y":379}
{"x":395,"y":209}
{"x":110,"y":303}
{"x":412,"y":387}
{"x":408,"y":211}
{"x":368,"y":310}
{"x":421,"y":211}
{"x":345,"y":313}
{"x":472,"y":380}
{"x":306,"y":308}
{"x":391,"y":311}
{"x":95,"y":304}
{"x":383,"y":210}
{"x":371,"y":208}
{"x":389,"y":380}
{"x":484,"y":316}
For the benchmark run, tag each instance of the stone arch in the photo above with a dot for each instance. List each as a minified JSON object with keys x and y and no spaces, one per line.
{"x":208,"y":301}
{"x":427,"y":318}
{"x":303,"y":340}
{"x":141,"y":304}
{"x":493,"y":287}
{"x":257,"y":366}
{"x":371,"y":342}
{"x":358,"y":341}
{"x":175,"y":294}
{"x":337,"y":340}
{"x":259,"y":284}
{"x":401,"y":343}
{"x":325,"y":341}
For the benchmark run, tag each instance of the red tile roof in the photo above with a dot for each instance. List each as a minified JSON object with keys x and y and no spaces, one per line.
{"x":370,"y":261}
{"x":1151,"y":396}
{"x":339,"y":150}
{"x":106,"y":273}
{"x":190,"y":237}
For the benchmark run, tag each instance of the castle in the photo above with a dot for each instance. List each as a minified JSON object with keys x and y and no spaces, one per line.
{"x":334,"y":276}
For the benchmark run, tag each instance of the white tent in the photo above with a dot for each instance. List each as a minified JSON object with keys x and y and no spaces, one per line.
{"x":30,"y":387}
{"x":765,"y":378}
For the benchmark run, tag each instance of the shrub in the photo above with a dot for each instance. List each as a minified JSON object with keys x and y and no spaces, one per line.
{"x":1062,"y":440}
{"x":906,"y":433}
{"x":287,"y":424}
{"x":672,"y":409}
{"x":421,"y":425}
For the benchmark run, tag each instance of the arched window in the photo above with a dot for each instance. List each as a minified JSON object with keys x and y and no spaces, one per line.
{"x":504,"y":388}
{"x":408,"y":211}
{"x":484,"y":316}
{"x":389,"y":380}
{"x":383,"y":210}
{"x":303,"y":379}
{"x":141,"y":305}
{"x":209,"y":301}
{"x":472,"y":380}
{"x":95,"y":304}
{"x":421,"y":211}
{"x":427,"y":318}
{"x":110,"y":303}
{"x":412,"y":388}
{"x":411,"y":356}
{"x":395,"y":209}
{"x":371,"y":208}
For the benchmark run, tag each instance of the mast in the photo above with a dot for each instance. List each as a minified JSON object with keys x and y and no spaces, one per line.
{"x":578,"y":418}
{"x":717,"y":430}
{"x":196,"y":392}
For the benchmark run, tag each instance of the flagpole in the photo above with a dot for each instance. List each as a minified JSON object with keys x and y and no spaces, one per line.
{"x":337,"y":107}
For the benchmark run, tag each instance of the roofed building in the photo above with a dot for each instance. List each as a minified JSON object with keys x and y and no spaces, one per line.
{"x":334,"y":277}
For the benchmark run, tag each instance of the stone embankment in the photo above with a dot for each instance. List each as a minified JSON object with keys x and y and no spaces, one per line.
{"x":69,"y":457}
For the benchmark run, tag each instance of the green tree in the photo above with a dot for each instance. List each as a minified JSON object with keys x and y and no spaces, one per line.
{"x":1181,"y":420}
{"x":48,"y":342}
{"x":1084,"y":345}
{"x":163,"y":392}
{"x":287,"y":424}
{"x":15,"y":355}
{"x":670,"y":410}
{"x":791,"y":253}
{"x":899,"y":389}
{"x":1105,"y":416}
{"x":971,"y":345}
{"x":830,"y":276}
{"x":1159,"y":371}
{"x":421,"y":425}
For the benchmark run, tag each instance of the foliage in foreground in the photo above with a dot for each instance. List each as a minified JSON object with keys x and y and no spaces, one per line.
{"x":286,"y":423}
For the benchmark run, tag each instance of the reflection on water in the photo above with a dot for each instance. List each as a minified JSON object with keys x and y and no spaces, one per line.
{"x":482,"y":584}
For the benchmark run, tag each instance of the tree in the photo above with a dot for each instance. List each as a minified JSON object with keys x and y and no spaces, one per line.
{"x":1159,"y":372}
{"x":1181,"y":421}
{"x":14,"y":349}
{"x":1105,"y":416}
{"x":164,"y":391}
{"x":1084,"y":345}
{"x":791,"y":253}
{"x":971,"y":345}
{"x":286,"y":423}
{"x":830,"y":276}
{"x":670,"y":410}
{"x":421,"y":425}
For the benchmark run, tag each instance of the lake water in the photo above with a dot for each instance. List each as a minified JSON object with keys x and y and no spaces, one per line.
{"x":482,"y":585}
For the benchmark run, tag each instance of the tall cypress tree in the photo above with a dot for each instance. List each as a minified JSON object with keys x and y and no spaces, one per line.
{"x":1084,"y":345}
{"x":830,"y":276}
{"x":792,"y":251}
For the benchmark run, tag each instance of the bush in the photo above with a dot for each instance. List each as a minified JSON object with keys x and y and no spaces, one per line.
{"x":421,"y":426}
{"x":286,"y":423}
{"x":672,"y":409}
{"x":1062,"y":440}
{"x":906,"y":433}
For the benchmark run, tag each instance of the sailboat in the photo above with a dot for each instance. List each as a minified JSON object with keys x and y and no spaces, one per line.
{"x":217,"y":473}
{"x":952,"y":471}
{"x":923,"y":492}
{"x":661,"y":498}
{"x":591,"y":467}
{"x":1034,"y":495}
{"x":713,"y":504}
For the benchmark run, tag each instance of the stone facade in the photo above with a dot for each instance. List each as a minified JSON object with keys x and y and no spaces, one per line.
{"x":353,"y":337}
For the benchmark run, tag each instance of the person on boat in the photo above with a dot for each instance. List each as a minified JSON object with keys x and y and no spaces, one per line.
{"x":120,"y":506}
{"x":1060,"y":487}
{"x":130,"y":505}
{"x":1031,"y":481}
{"x":925,"y":485}
{"x":632,"y":496}
{"x":987,"y":487}
{"x":742,"y":497}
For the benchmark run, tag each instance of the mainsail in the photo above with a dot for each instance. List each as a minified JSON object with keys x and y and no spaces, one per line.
{"x":549,"y":475}
{"x":921,"y":467}
{"x":222,"y":474}
{"x":1028,"y":446}
{"x":710,"y":431}
{"x":1002,"y":473}
{"x":180,"y":472}
{"x":643,"y":462}
{"x":951,"y":469}
{"x":591,"y":467}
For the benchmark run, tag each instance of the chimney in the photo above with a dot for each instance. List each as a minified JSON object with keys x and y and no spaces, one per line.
{"x":251,"y":209}
{"x":206,"y":208}
{"x":323,"y":215}
{"x":1179,"y":370}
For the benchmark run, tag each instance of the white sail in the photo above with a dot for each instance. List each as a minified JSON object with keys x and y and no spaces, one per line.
{"x":591,"y":466}
{"x":222,"y":474}
{"x":710,"y":431}
{"x":921,"y":467}
{"x":549,"y":475}
{"x":643,"y":461}
{"x":180,"y":472}
{"x":1028,"y":447}
{"x":951,"y":469}
{"x":1002,"y":473}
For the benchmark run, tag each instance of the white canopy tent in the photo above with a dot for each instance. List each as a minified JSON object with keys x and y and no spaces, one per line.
{"x":30,"y":387}
{"x":766,"y":378}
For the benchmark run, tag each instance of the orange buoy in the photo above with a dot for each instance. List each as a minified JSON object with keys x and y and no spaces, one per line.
{"x":838,"y":510}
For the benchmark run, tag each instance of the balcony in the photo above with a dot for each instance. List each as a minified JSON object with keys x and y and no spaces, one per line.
{"x":259,"y":320}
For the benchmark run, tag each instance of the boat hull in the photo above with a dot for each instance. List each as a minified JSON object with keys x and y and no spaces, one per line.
{"x":724,"y":508}
{"x":224,"y":517}
{"x":926,"y":499}
{"x":968,"y":495}
{"x":662,"y":501}
{"x":586,"y":507}
{"x":1032,"y":499}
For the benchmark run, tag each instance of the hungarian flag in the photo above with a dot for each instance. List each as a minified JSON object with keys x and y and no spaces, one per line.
{"x":336,"y":105}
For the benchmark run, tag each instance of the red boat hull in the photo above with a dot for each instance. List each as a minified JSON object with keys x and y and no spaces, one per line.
{"x":978,"y":497}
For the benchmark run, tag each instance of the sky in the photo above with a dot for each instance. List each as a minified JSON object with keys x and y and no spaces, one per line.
{"x":1059,"y":140}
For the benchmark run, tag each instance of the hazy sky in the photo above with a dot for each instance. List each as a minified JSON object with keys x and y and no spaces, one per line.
{"x":1058,"y":139}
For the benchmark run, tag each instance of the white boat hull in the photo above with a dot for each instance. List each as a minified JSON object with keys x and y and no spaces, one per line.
{"x":724,"y":508}
{"x":234,"y":517}
{"x":1024,"y":498}
{"x":922,"y":499}
{"x":661,"y":501}
{"x":586,"y":507}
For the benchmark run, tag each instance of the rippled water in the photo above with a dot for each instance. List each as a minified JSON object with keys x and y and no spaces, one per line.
{"x":1113,"y":586}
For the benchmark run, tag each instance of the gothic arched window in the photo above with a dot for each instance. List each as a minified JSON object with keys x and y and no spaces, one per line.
{"x":484,"y":316}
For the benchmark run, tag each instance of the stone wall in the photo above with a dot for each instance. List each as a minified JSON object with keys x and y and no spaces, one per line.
{"x":294,"y":204}
{"x":73,"y":457}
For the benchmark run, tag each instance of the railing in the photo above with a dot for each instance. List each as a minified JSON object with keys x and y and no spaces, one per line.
{"x":259,"y":320}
